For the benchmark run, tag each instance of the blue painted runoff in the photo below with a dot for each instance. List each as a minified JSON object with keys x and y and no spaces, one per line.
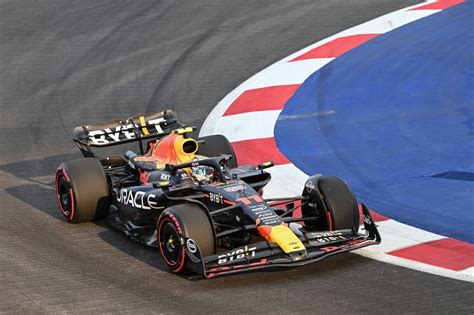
{"x":394,"y":118}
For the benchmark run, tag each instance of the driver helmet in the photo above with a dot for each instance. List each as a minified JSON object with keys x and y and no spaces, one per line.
{"x":202,"y":173}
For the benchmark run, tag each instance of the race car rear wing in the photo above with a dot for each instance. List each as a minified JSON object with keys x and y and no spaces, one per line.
{"x":115,"y":132}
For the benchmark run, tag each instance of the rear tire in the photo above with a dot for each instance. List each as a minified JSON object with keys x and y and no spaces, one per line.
{"x":82,"y":190}
{"x":340,"y":203}
{"x":217,"y":145}
{"x":183,"y":221}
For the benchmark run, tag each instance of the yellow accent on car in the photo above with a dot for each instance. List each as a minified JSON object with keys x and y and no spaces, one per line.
{"x":286,"y":239}
{"x":185,"y":148}
{"x":143,"y":124}
{"x":181,"y":131}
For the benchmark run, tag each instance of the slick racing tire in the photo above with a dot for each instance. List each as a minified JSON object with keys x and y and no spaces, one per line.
{"x":82,"y":190}
{"x":217,"y":145}
{"x":340,"y":203}
{"x":179,"y":222}
{"x":335,"y":204}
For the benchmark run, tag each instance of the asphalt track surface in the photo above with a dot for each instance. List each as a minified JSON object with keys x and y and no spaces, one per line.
{"x":63,"y":64}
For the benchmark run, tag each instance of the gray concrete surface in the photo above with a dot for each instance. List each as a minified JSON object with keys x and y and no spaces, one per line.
{"x":66,"y":63}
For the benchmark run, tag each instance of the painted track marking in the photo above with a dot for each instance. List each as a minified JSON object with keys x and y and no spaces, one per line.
{"x":247,"y":116}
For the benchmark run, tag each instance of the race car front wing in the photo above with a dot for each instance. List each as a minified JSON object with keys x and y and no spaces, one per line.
{"x":264,"y":254}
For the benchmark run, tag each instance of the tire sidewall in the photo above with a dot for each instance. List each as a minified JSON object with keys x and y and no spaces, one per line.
{"x":89,"y":189}
{"x":311,"y":190}
{"x":340,"y":217}
{"x":168,"y":217}
{"x":190,"y":222}
{"x":217,"y":145}
{"x":62,"y":178}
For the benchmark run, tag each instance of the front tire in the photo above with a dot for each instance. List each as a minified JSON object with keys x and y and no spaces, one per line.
{"x":340,"y":203}
{"x":217,"y":145}
{"x":82,"y":190}
{"x":333,"y":201}
{"x":179,"y":222}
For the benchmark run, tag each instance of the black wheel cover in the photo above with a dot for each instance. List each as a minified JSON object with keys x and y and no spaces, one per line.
{"x":64,"y":195}
{"x":170,"y":243}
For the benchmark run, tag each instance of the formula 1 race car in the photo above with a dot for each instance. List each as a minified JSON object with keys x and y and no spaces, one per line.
{"x":203,"y":211}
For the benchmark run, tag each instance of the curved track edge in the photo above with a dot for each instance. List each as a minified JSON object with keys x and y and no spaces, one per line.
{"x":248,"y":114}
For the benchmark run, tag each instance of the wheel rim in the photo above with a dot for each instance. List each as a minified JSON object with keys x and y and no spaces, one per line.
{"x":170,"y":244}
{"x":64,"y":197}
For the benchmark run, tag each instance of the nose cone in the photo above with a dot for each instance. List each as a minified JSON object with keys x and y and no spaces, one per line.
{"x":283,"y":236}
{"x":297,"y":256}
